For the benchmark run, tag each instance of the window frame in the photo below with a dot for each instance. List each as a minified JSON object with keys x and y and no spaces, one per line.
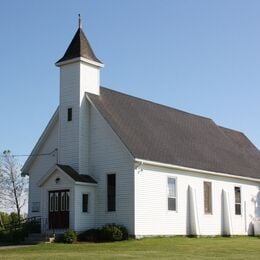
{"x":36,"y":206}
{"x":108,"y":208}
{"x":210,"y":206}
{"x":56,"y":201}
{"x":171,"y":196}
{"x":82,"y":198}
{"x":69,"y":114}
{"x":51,"y":202}
{"x":67,"y":200}
{"x":238,"y":203}
{"x":62,"y":201}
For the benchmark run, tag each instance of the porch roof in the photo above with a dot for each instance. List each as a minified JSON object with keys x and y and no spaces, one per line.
{"x":75,"y":175}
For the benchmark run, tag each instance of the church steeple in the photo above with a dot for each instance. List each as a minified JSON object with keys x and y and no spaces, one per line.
{"x":79,"y":74}
{"x":79,"y":47}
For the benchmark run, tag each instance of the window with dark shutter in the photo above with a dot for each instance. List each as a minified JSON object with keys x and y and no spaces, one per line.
{"x":172,"y":194}
{"x":69,"y":114}
{"x":84,"y":202}
{"x":111,"y":192}
{"x":237,"y":200}
{"x":207,"y":198}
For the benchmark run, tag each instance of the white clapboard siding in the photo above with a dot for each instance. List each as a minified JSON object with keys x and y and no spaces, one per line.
{"x":69,"y":131}
{"x":75,"y":79}
{"x":109,"y":155}
{"x":85,"y":220}
{"x":40,"y":166}
{"x":153,"y":218}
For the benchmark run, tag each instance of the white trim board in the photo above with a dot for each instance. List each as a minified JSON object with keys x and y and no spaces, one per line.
{"x":182,"y":168}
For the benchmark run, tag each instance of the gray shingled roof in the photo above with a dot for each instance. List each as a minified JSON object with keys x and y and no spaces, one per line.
{"x":158,"y":133}
{"x":79,"y":47}
{"x":75,"y":175}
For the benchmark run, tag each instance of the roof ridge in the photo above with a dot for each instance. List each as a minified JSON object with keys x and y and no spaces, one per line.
{"x":231,"y":129}
{"x":252,"y":145}
{"x":158,"y":104}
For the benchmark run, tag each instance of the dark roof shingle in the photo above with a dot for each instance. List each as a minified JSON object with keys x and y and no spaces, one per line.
{"x":79,"y":47}
{"x":74,"y":174}
{"x":159,"y":133}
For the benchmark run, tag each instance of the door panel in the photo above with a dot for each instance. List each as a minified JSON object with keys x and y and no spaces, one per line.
{"x":59,"y":209}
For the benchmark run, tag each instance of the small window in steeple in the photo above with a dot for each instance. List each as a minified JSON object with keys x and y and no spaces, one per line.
{"x":70,"y":114}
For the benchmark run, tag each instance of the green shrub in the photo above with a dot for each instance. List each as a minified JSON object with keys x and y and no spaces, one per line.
{"x":12,"y":236}
{"x":70,"y":236}
{"x":14,"y":218}
{"x":108,"y":233}
{"x":5,"y":237}
{"x":123,"y":230}
{"x":111,"y":232}
{"x":91,"y":235}
{"x":18,"y":236}
{"x":6,"y":219}
{"x":9,"y":220}
{"x":13,"y":231}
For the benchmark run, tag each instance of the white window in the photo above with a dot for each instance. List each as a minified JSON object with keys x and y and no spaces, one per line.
{"x":63,"y":201}
{"x":237,"y":200}
{"x":35,"y":206}
{"x":172,"y":194}
{"x":207,"y":197}
{"x":52,"y":202}
{"x":56,"y":202}
{"x":67,"y":194}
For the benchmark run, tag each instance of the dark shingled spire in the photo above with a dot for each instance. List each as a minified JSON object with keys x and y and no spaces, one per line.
{"x":79,"y":47}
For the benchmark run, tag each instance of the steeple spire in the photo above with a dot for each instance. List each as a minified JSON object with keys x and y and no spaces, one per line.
{"x":80,"y":22}
{"x":79,"y":47}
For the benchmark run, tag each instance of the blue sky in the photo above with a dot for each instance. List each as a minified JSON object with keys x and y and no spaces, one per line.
{"x":199,"y":56}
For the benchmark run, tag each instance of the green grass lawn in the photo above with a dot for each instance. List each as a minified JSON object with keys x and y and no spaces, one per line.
{"x":149,"y":248}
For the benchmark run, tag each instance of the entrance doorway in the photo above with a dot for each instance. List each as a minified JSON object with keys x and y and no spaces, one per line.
{"x":59,"y":209}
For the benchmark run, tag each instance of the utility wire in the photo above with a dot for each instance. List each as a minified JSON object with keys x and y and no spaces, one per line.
{"x":32,"y":155}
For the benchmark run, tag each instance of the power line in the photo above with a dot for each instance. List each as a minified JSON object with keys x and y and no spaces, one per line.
{"x":32,"y":155}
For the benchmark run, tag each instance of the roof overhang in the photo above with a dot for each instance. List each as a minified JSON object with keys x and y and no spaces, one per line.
{"x":45,"y":178}
{"x":84,"y":60}
{"x":183,"y":168}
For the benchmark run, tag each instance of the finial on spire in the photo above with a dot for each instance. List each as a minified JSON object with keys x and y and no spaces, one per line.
{"x":80,"y":22}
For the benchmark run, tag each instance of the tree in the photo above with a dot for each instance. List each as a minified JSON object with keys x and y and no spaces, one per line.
{"x":6,"y":219}
{"x":1,"y":202}
{"x":12,"y":185}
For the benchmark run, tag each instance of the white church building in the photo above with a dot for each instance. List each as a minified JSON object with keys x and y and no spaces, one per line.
{"x":114,"y":158}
